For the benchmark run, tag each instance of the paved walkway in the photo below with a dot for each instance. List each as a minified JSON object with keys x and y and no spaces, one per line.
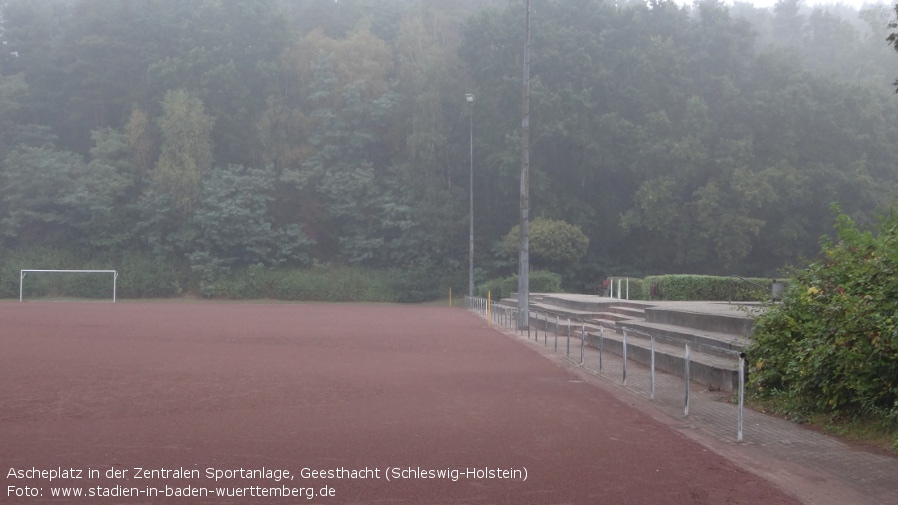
{"x":815,"y":468}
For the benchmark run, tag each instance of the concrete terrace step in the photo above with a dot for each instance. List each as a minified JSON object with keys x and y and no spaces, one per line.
{"x":589,"y":303}
{"x":712,"y":317}
{"x":727,"y":343}
{"x":541,"y":311}
{"x":715,"y":331}
{"x":630,"y":312}
{"x":577,"y":315}
{"x":716,"y":369}
{"x":708,"y":324}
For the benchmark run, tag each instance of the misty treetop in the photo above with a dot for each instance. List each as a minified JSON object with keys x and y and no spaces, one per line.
{"x":215,"y":135}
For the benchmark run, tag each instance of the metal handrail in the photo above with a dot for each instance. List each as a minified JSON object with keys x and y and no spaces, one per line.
{"x":620,"y":326}
{"x":503,"y":316}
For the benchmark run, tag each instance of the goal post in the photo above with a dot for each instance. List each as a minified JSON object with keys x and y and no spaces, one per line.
{"x":114,"y":274}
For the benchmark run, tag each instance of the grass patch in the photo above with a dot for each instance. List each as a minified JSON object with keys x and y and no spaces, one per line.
{"x":874,"y":432}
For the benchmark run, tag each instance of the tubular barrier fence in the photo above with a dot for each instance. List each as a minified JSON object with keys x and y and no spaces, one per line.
{"x":583,"y":343}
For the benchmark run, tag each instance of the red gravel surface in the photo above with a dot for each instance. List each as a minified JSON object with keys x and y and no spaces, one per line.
{"x":427,"y":404}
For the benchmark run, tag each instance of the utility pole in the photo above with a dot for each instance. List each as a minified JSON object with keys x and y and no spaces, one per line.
{"x":524,"y":264}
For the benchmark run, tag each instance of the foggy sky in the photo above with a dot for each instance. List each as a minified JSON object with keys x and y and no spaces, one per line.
{"x":858,"y":4}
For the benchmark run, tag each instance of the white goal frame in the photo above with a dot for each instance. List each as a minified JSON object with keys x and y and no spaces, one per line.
{"x":113,"y":272}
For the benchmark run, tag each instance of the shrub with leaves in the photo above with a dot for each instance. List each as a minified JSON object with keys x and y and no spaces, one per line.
{"x":832,"y":345}
{"x":553,"y":244}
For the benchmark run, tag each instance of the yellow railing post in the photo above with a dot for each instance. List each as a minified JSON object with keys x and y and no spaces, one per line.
{"x":450,"y":296}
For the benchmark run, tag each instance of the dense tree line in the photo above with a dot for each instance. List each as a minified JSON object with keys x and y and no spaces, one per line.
{"x":218,"y":135}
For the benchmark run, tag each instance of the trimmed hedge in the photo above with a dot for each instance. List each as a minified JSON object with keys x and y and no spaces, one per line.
{"x":704,"y":287}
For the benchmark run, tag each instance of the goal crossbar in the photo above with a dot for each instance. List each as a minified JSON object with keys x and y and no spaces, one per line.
{"x":113,"y":272}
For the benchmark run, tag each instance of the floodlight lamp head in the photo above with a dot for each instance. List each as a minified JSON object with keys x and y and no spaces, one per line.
{"x":469,"y":97}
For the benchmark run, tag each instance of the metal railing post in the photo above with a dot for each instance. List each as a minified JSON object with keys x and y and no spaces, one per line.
{"x":741,"y":395}
{"x":625,"y":357}
{"x":653,"y":369}
{"x":582,"y":341}
{"x":568,"y":337}
{"x":556,"y":332}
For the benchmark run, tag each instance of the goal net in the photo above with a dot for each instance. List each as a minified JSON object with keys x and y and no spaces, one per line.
{"x":62,"y":285}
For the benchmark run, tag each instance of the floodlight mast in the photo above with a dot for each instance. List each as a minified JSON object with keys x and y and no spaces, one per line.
{"x":524,"y":248}
{"x":470,"y":98}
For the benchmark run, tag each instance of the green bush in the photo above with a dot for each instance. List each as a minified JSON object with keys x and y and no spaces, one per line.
{"x":553,"y":243}
{"x":142,"y":276}
{"x":80,"y":285}
{"x":426,"y":281}
{"x":495,"y":288}
{"x":67,"y":285}
{"x":703,"y":287}
{"x":39,"y":258}
{"x":337,"y":284}
{"x":832,"y":345}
